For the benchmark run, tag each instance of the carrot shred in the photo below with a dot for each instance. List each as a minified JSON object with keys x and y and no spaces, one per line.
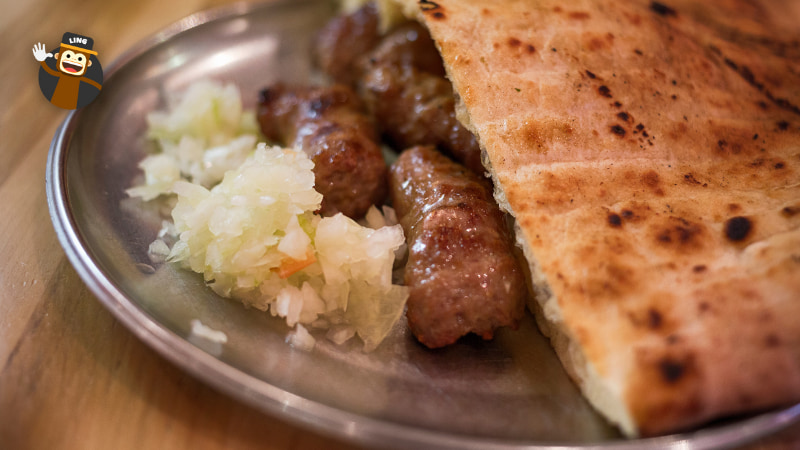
{"x":289,"y":265}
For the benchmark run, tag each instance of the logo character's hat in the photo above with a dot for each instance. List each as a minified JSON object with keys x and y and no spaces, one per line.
{"x":77,"y":42}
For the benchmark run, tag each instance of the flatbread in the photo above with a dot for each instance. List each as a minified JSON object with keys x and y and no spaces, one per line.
{"x":650,"y":154}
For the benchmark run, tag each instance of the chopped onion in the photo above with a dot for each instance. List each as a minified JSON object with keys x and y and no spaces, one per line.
{"x":204,"y":134}
{"x":279,"y":256}
{"x":244,"y":219}
{"x":301,"y":338}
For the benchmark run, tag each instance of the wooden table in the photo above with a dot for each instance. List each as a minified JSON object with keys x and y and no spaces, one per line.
{"x":71,"y":376}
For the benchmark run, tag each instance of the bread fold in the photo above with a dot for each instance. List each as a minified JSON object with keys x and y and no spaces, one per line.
{"x":650,"y":155}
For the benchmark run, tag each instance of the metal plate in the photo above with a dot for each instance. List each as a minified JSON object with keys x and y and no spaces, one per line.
{"x":508,"y":393}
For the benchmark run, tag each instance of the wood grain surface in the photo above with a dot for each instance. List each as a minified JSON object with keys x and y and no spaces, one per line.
{"x":71,"y":376}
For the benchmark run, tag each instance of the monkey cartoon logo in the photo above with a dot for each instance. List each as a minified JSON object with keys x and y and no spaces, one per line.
{"x":72,"y":77}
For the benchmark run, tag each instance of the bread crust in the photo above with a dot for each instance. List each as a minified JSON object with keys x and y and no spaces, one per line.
{"x":650,"y":154}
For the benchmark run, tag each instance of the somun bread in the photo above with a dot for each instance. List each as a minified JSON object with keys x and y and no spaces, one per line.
{"x":650,"y":154}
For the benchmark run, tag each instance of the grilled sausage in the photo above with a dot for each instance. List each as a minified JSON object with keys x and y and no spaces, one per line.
{"x":407,"y":45}
{"x":343,"y":42}
{"x":413,"y":107}
{"x":347,"y":42}
{"x":462,"y":271}
{"x":329,"y":125}
{"x":402,"y":80}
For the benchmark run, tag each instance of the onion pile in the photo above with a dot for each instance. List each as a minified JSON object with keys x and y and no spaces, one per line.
{"x":254,"y":235}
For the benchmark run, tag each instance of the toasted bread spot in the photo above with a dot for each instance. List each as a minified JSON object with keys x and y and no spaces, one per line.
{"x":595,"y":43}
{"x":772,"y":341}
{"x":671,"y":370}
{"x":737,"y":228}
{"x":790,"y":211}
{"x":651,"y":178}
{"x":681,"y":233}
{"x":662,"y":9}
{"x":432,"y":8}
{"x":690,"y":179}
{"x":654,"y":319}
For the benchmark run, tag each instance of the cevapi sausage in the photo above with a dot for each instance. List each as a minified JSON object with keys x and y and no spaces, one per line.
{"x":462,"y":269}
{"x":401,"y":78}
{"x":407,"y":45}
{"x":328,"y":123}
{"x":413,"y":107}
{"x":342,"y":43}
{"x":347,"y":43}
